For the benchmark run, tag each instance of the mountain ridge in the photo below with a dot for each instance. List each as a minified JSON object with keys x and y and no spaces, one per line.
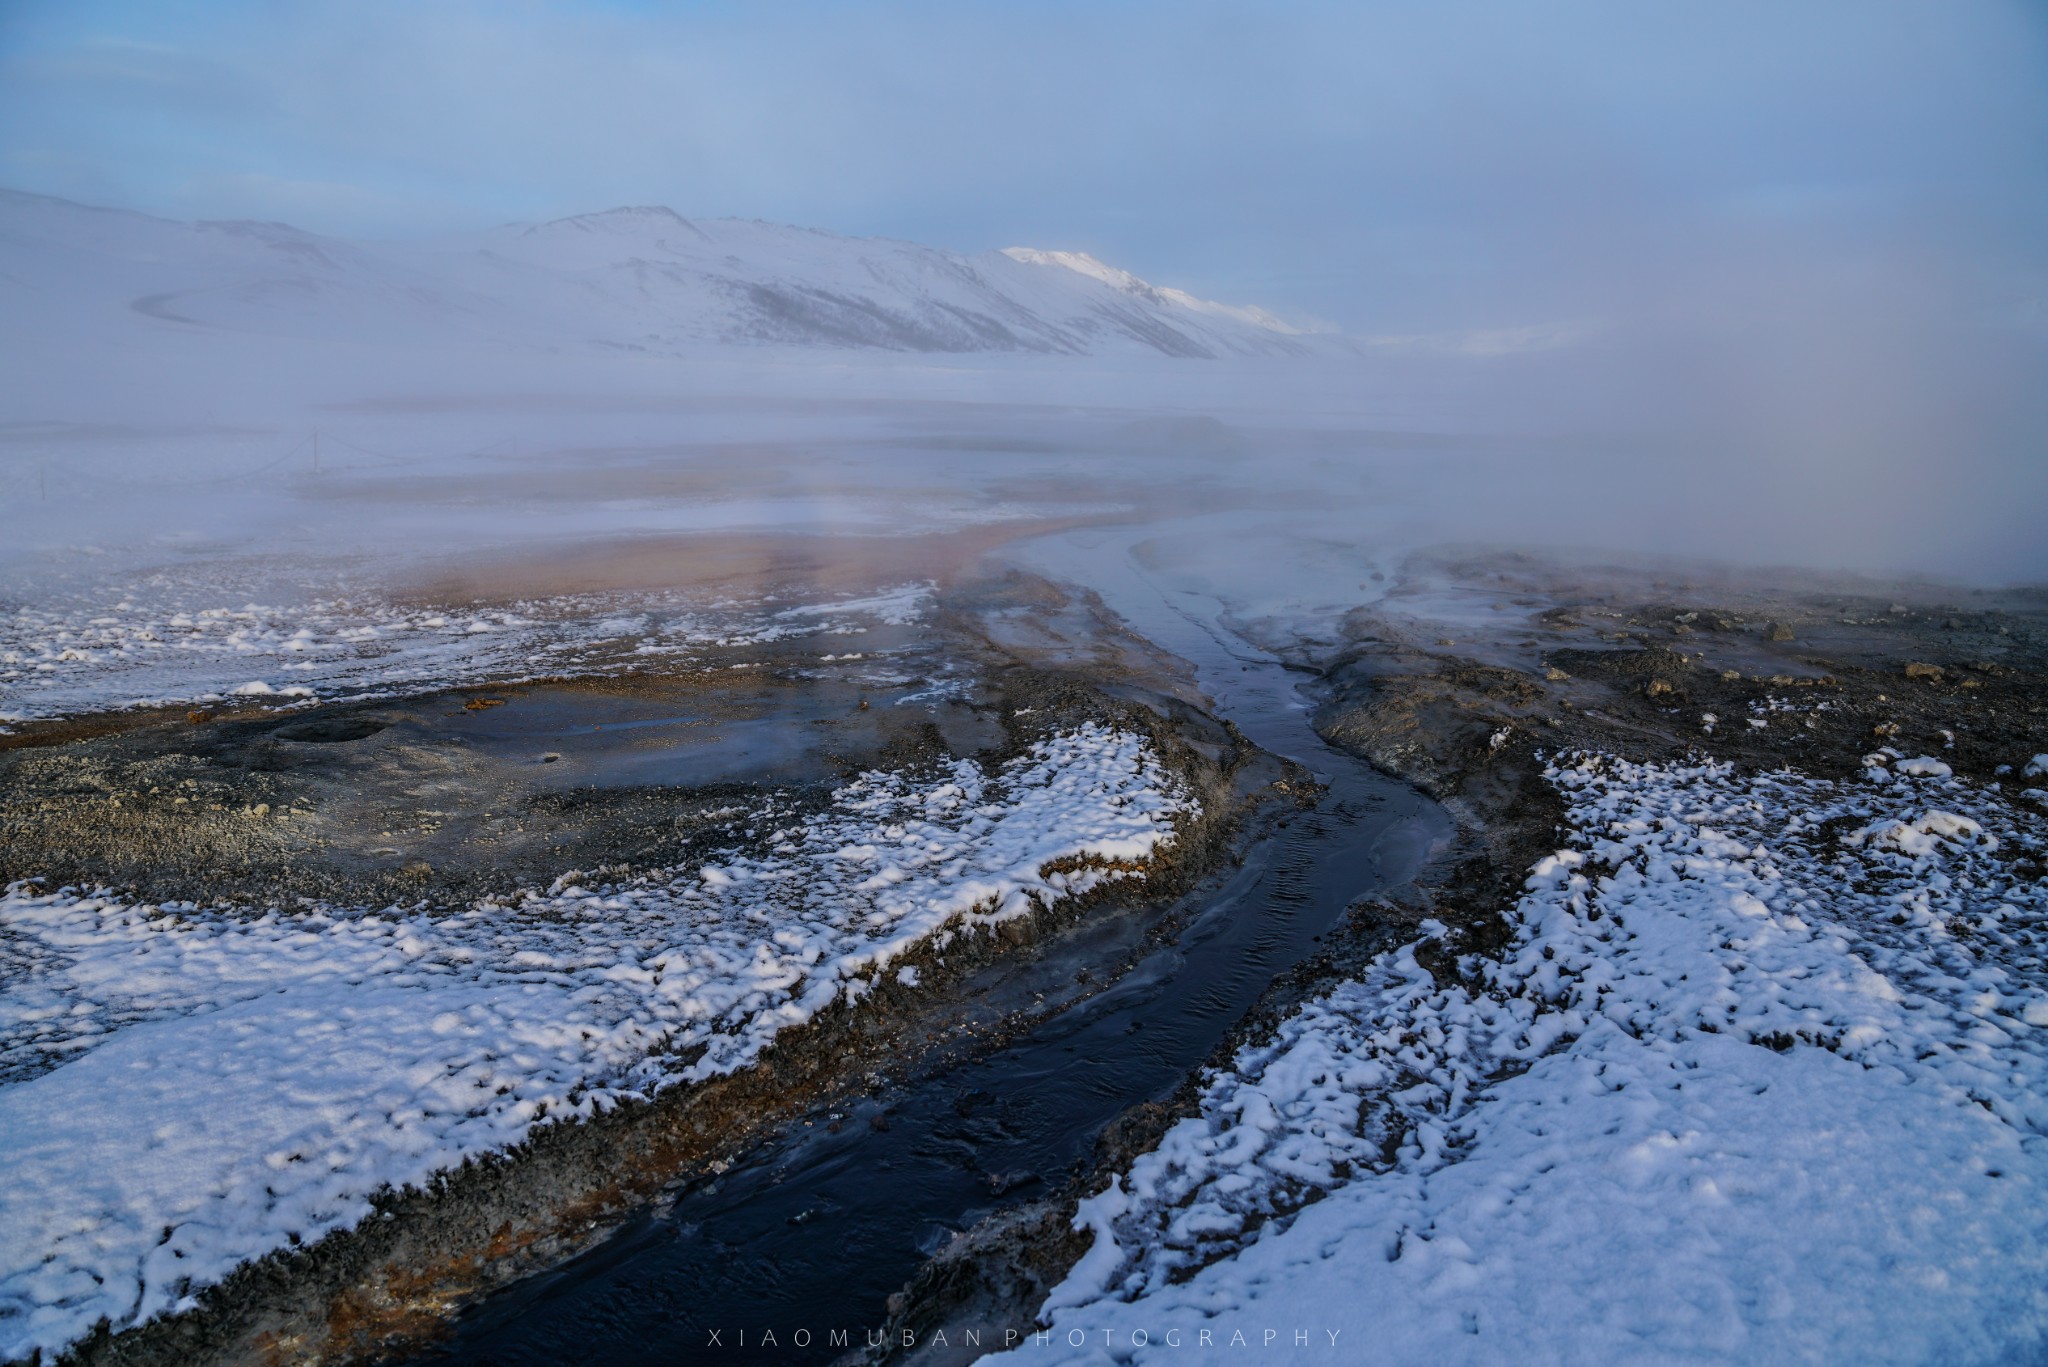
{"x":637,"y":277}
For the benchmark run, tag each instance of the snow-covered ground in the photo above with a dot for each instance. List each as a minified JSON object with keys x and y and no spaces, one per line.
{"x":184,"y":1088}
{"x":183,"y":645}
{"x":1763,"y":1078}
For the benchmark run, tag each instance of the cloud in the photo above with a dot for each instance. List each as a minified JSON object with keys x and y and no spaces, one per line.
{"x":1506,"y":341}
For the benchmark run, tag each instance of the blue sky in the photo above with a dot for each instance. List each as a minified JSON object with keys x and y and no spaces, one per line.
{"x":1391,"y":164}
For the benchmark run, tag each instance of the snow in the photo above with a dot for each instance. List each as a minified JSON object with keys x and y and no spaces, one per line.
{"x":184,"y":1088}
{"x":1081,"y":263}
{"x":630,"y":281}
{"x":87,"y":655}
{"x":1762,"y":1078}
{"x":259,"y":688}
{"x":900,"y":606}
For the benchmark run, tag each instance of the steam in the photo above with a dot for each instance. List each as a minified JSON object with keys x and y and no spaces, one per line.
{"x":1750,"y":281}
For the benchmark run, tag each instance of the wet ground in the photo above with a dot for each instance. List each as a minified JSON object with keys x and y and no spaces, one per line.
{"x":477,"y":789}
{"x":1656,"y":661}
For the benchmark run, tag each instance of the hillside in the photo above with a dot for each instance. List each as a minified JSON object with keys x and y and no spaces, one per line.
{"x":639,"y":279}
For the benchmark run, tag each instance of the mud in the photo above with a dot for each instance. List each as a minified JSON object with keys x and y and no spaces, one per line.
{"x":463,"y":793}
{"x":764,"y":562}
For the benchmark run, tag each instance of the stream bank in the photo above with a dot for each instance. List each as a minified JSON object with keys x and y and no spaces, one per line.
{"x":808,"y":1237}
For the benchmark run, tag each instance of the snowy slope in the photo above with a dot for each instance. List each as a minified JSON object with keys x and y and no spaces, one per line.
{"x":638,"y":279}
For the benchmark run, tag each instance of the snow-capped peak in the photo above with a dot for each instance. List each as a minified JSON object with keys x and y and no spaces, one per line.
{"x":1119,"y":279}
{"x":1086,"y":265}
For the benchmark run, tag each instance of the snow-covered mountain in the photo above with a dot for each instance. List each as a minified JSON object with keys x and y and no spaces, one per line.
{"x":643,"y":279}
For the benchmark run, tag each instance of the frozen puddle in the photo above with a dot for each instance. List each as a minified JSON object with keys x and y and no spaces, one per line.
{"x":165,"y":648}
{"x":1762,"y":1078}
{"x":183,"y":1089}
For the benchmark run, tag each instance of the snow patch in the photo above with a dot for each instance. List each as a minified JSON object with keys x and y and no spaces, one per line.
{"x":1126,"y":283}
{"x":64,"y":659}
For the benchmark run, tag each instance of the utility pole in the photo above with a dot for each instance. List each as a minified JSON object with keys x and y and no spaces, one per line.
{"x":316,"y":450}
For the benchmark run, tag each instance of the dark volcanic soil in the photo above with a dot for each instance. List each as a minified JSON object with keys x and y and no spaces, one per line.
{"x":1474,"y":669}
{"x":462,"y":793}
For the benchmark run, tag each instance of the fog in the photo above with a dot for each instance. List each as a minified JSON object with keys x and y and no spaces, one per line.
{"x":1753,"y":283}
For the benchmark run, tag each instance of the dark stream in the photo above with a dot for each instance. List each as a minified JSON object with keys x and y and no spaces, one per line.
{"x":814,"y":1231}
